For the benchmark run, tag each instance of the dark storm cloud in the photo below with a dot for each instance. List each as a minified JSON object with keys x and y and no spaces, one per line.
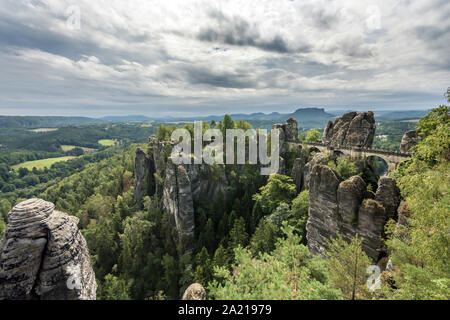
{"x":204,"y":76}
{"x":437,"y":39}
{"x":239,"y":32}
{"x":432,"y":33}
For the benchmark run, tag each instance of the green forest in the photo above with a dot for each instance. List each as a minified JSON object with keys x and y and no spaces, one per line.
{"x":251,"y":242}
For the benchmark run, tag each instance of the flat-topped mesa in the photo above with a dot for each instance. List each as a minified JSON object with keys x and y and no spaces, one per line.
{"x":352,"y":129}
{"x":347,"y":208}
{"x":44,"y":256}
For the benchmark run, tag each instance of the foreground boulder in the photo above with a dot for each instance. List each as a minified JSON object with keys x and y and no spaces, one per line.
{"x":44,"y":256}
{"x":195,"y":292}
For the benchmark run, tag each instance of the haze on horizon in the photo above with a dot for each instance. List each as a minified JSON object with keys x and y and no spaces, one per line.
{"x":187,"y":58}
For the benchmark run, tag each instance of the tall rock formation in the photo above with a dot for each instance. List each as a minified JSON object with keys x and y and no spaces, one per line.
{"x":409,"y":140}
{"x":301,"y":170}
{"x":288,"y":139}
{"x":178,"y":202}
{"x":347,"y":208}
{"x":178,"y":186}
{"x":352,"y":129}
{"x":141,"y":171}
{"x":44,"y":256}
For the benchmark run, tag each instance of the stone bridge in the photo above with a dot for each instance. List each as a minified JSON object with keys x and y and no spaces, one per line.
{"x":392,"y":158}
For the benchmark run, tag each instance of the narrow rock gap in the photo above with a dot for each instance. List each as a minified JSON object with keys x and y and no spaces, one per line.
{"x":33,"y":293}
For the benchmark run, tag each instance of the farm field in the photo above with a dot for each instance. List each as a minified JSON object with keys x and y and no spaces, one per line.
{"x":66,"y":148}
{"x":41,"y":164}
{"x":40,"y":130}
{"x":107,"y":142}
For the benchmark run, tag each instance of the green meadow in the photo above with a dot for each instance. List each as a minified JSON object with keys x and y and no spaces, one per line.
{"x":107,"y":142}
{"x":41,"y":164}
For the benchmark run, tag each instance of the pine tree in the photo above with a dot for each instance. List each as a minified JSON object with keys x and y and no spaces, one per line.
{"x":203,"y":270}
{"x":238,"y":235}
{"x":221,"y":257}
{"x":264,"y":238}
{"x":348,"y":267}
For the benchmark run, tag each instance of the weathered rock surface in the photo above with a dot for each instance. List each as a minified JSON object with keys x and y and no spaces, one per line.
{"x":44,"y":256}
{"x":301,"y":170}
{"x":182,"y":185}
{"x":288,"y":131}
{"x":291,"y":130}
{"x":178,"y":202}
{"x":178,"y":186}
{"x":323,"y":208}
{"x":352,"y":129}
{"x":409,"y":140}
{"x":389,"y":195}
{"x":347,"y":208}
{"x":141,"y":170}
{"x":195,"y":292}
{"x":297,"y":173}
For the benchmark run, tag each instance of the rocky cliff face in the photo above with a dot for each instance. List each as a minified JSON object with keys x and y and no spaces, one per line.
{"x":178,"y":202}
{"x":352,"y":129}
{"x":182,"y":184}
{"x":44,"y":256}
{"x":288,"y":131}
{"x":288,"y":139}
{"x":347,"y":208}
{"x":301,"y":170}
{"x":141,"y":171}
{"x":409,"y":140}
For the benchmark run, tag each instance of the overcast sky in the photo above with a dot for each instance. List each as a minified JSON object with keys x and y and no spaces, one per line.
{"x":187,"y":57}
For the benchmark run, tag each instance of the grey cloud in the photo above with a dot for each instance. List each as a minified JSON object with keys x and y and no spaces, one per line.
{"x":438,"y":40}
{"x":321,"y":17}
{"x":432,"y":33}
{"x":35,"y":34}
{"x":179,"y":69}
{"x":199,"y":75}
{"x":239,"y":32}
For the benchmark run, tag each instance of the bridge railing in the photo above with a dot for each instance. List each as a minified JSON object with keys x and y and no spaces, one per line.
{"x":400,"y":154}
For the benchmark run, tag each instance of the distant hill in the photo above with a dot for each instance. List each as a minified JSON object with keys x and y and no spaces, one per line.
{"x":306,"y":118}
{"x":311,"y":117}
{"x":401,"y":115}
{"x":389,"y":115}
{"x":128,"y":118}
{"x":42,"y":122}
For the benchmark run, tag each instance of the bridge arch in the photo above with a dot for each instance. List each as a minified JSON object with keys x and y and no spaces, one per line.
{"x":378,"y":164}
{"x":312,"y":149}
{"x":392,"y":159}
